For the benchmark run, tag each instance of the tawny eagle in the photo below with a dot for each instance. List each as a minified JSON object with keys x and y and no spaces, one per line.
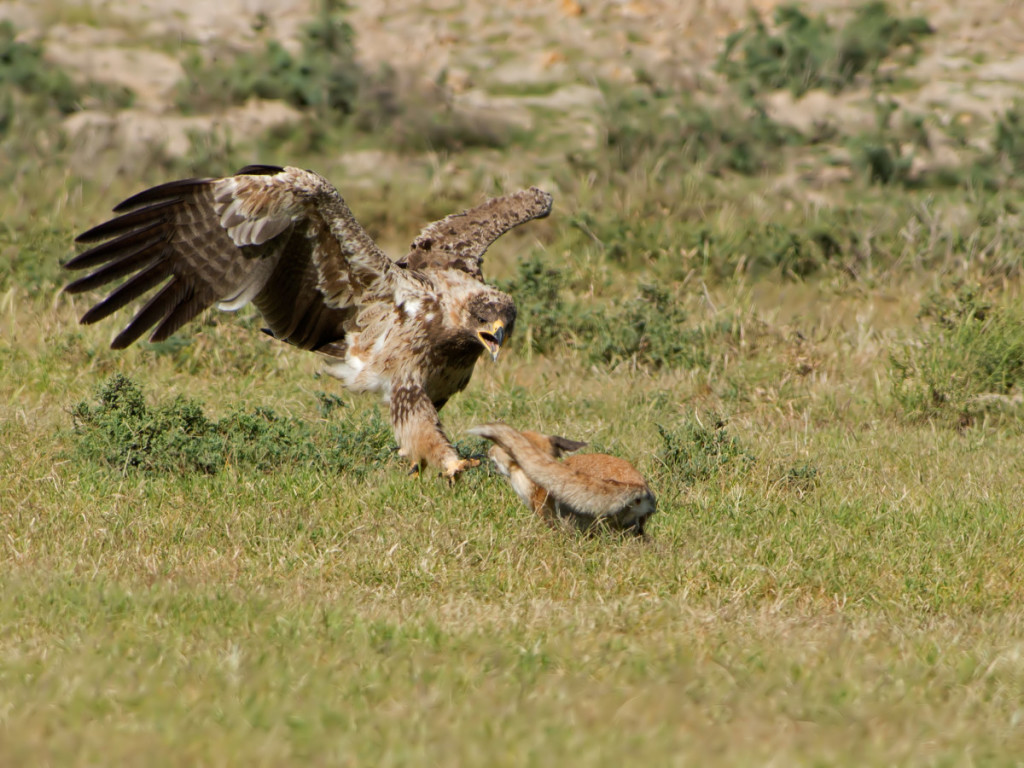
{"x":284,"y":239}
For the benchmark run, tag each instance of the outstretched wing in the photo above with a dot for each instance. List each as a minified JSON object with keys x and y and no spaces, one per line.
{"x":460,"y":240}
{"x":282,"y":238}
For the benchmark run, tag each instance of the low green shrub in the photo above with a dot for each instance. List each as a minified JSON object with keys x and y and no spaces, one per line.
{"x":544,"y":319}
{"x":413,"y":118}
{"x":24,"y":69}
{"x":695,"y":451}
{"x":323,"y":76}
{"x":650,"y":329}
{"x":670,"y":130}
{"x":1008,"y":142}
{"x":806,"y":51}
{"x":965,"y":361}
{"x":123,"y":431}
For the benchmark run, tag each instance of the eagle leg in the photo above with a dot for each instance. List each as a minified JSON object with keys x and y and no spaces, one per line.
{"x":418,"y":432}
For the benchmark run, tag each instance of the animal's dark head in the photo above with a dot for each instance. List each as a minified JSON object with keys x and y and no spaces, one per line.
{"x":491,"y":317}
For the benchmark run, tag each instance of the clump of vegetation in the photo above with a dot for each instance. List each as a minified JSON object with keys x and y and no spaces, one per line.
{"x":885,"y":154}
{"x":650,"y":330}
{"x":435,"y":125}
{"x":28,"y":255}
{"x":123,"y":431}
{"x":805,"y":51}
{"x":671,"y":130}
{"x":998,"y":166}
{"x":324,"y":76}
{"x":418,"y":119}
{"x":544,"y":319}
{"x":968,"y":360}
{"x":22,"y":66}
{"x":1009,"y":137}
{"x":675,"y":242}
{"x":791,"y":250}
{"x":801,"y":478}
{"x":696,"y":452}
{"x":358,"y":446}
{"x":24,"y":69}
{"x":634,"y":237}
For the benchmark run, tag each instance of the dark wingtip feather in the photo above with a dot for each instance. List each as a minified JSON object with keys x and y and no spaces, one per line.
{"x":171,"y":191}
{"x":125,"y":263}
{"x":259,"y":170}
{"x":155,"y":310}
{"x":123,"y":223}
{"x":135,"y":240}
{"x":190,"y":303}
{"x":120,"y":342}
{"x":128,"y":291}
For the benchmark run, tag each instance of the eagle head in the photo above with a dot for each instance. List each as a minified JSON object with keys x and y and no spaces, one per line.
{"x":490,"y":317}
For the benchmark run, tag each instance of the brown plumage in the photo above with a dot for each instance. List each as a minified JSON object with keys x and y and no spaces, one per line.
{"x":284,"y":239}
{"x":586,"y":490}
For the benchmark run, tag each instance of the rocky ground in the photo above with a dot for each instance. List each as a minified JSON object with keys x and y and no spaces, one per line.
{"x":524,"y":62}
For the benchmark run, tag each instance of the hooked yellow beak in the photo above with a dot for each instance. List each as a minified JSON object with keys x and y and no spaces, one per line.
{"x":492,"y":339}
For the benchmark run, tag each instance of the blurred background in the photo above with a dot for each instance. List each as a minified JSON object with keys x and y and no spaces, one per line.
{"x":652,"y":120}
{"x":835,"y":164}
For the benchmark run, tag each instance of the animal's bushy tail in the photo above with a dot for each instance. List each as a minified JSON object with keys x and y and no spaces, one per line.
{"x":584,"y":494}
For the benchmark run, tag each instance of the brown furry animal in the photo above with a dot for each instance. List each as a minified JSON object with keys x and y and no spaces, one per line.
{"x":586,"y":490}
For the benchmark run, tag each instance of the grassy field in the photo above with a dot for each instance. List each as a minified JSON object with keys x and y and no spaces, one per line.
{"x":821,"y":376}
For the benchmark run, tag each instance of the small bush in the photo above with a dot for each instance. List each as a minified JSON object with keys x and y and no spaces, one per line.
{"x":873,"y":35}
{"x":361,"y":445}
{"x":696,"y":453}
{"x":414,"y":117}
{"x":801,"y":478}
{"x":418,"y":118}
{"x":998,"y":167}
{"x":676,"y":241}
{"x":23,"y":68}
{"x":212,"y":152}
{"x":672,"y":131}
{"x":28,"y":256}
{"x":324,"y":76}
{"x":885,"y":154}
{"x":807,"y":52}
{"x":754,"y":247}
{"x":544,"y":321}
{"x":650,"y":330}
{"x":122,"y":431}
{"x":1009,"y":137}
{"x":968,"y":359}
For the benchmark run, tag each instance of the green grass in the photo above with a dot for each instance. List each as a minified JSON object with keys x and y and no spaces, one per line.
{"x":210,"y":555}
{"x":965,"y":363}
{"x":822,"y":582}
{"x":124,"y":432}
